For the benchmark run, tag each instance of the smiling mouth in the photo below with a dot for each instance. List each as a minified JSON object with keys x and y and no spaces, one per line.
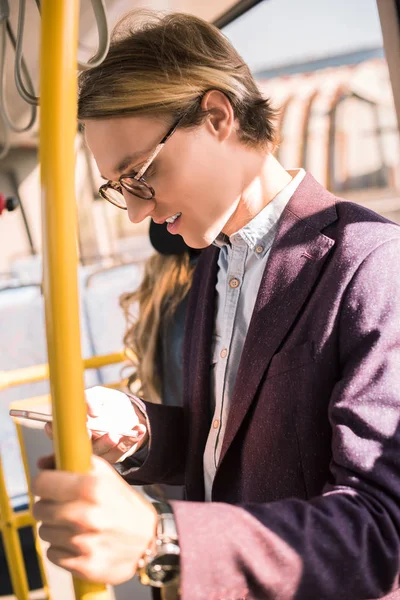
{"x":173,"y":218}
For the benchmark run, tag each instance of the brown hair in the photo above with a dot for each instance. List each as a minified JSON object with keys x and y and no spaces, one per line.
{"x":166,"y":281}
{"x":163,"y":65}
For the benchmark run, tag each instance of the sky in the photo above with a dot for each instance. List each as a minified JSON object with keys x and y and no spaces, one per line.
{"x":281,"y":32}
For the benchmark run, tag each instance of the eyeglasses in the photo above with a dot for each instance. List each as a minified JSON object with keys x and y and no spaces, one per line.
{"x":133,"y":182}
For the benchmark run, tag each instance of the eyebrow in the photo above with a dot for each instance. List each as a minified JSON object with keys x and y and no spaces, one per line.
{"x":128,"y":160}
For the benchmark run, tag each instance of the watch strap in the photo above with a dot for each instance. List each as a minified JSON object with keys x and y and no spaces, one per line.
{"x":166,"y":526}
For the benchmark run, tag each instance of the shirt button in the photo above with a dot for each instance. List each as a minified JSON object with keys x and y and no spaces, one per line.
{"x":216,"y":423}
{"x":223,"y":353}
{"x":259,"y":249}
{"x":234,"y":283}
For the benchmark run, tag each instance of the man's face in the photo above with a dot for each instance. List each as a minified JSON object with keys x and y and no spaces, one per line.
{"x":194,"y":173}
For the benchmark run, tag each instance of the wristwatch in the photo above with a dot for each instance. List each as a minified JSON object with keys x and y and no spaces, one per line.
{"x":160,"y":564}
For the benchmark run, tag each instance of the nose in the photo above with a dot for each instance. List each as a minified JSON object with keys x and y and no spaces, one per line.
{"x":138,"y":208}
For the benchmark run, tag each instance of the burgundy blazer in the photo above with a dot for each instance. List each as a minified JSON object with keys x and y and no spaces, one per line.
{"x":306,"y":498}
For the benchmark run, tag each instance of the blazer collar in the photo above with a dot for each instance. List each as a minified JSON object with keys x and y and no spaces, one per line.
{"x":297,"y":256}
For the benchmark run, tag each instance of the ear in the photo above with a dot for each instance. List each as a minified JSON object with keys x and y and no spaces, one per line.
{"x":221,"y":121}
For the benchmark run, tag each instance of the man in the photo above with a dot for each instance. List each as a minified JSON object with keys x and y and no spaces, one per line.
{"x":289,"y":430}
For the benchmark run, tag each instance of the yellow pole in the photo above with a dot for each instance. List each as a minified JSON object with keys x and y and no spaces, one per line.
{"x":12,"y":544}
{"x":58,"y":91}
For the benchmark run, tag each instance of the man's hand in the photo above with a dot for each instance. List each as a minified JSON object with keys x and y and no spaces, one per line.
{"x":112,"y":411}
{"x":98,"y":527}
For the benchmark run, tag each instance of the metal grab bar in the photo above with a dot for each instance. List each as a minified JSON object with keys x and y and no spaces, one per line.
{"x":5,"y":28}
{"x":100,"y":14}
{"x":21,"y":72}
{"x":27,"y":94}
{"x":6,"y":135}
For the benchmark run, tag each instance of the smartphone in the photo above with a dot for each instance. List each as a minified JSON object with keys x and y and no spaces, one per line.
{"x":46,"y":418}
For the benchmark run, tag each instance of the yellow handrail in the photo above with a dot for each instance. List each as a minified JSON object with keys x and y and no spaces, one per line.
{"x":27,"y":517}
{"x":12,"y":544}
{"x":40,"y":372}
{"x":10,"y":522}
{"x":58,"y":91}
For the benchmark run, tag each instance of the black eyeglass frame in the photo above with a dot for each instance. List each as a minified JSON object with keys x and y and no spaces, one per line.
{"x":139,"y":176}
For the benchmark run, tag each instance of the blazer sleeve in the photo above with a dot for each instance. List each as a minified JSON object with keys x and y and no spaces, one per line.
{"x":163,"y":461}
{"x":345,"y":543}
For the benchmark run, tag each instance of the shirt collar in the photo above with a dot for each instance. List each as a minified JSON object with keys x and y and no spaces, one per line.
{"x":259,"y":233}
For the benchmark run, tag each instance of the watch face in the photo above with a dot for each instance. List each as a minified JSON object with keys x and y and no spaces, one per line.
{"x":163,"y":569}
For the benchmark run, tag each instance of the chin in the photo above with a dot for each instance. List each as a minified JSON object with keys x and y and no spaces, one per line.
{"x":197,"y":242}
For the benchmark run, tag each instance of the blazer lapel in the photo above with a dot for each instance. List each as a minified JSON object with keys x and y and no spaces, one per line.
{"x":197,"y":359}
{"x":295,"y":262}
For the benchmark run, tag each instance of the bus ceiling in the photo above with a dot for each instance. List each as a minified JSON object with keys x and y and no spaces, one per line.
{"x":220,"y":12}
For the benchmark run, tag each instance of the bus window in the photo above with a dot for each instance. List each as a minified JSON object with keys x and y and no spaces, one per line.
{"x":324,"y":67}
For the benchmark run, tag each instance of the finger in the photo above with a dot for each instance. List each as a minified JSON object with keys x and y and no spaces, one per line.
{"x":59,"y":537}
{"x":77,"y":517}
{"x":104,"y":443}
{"x":111,"y":447}
{"x":48,"y":429}
{"x":141,"y":430}
{"x":60,"y":486}
{"x":76,"y":565}
{"x":123,"y":451}
{"x":47,"y":462}
{"x":57,"y":554}
{"x":77,"y":544}
{"x":81,"y":567}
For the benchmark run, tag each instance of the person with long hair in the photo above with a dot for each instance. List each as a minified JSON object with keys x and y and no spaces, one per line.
{"x":155,"y":314}
{"x":288,"y":441}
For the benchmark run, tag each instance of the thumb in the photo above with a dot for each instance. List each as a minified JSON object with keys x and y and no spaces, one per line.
{"x":141,"y":430}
